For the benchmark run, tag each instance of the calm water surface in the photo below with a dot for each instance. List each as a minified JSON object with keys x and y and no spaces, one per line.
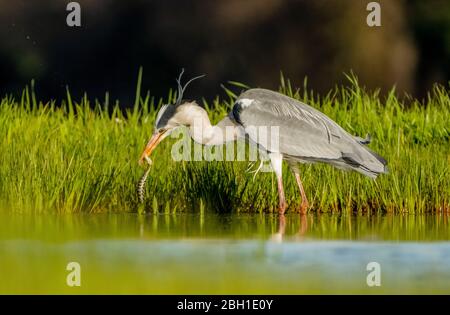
{"x":210,"y":253}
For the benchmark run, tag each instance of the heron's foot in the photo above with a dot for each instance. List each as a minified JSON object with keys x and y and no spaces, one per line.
{"x":282,"y":208}
{"x":304,"y":207}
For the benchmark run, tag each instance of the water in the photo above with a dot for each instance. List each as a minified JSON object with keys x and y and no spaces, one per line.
{"x":219,"y":254}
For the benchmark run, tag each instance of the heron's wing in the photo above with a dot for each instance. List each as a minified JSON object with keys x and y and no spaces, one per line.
{"x":302,"y":130}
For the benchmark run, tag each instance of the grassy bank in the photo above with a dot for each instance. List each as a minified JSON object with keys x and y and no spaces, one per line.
{"x":81,"y":156}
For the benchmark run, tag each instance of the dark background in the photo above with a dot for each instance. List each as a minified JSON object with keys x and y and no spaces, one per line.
{"x":249,"y":41}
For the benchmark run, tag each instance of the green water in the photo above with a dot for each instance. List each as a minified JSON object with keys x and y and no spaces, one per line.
{"x":210,"y":253}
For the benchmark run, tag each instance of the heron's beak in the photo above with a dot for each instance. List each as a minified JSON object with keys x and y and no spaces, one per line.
{"x":151,"y":145}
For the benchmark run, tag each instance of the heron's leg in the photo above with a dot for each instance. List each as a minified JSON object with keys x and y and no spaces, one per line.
{"x":276,"y":160}
{"x":305,"y":204}
{"x":282,"y":198}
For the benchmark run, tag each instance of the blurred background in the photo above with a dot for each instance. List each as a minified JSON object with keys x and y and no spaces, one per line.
{"x":249,"y":41}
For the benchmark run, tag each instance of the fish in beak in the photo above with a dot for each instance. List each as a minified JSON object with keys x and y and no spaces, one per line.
{"x":156,"y":138}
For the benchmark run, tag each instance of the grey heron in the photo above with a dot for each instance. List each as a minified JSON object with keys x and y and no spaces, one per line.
{"x":305,"y":135}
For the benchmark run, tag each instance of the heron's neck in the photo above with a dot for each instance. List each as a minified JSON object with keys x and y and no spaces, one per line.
{"x":203,"y":132}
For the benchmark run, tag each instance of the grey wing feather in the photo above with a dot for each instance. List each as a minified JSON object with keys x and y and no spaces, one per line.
{"x":304,"y":132}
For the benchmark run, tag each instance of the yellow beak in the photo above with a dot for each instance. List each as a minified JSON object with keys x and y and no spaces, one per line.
{"x":151,"y":145}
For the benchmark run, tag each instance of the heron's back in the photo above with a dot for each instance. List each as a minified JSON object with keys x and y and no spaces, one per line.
{"x":305,"y":134}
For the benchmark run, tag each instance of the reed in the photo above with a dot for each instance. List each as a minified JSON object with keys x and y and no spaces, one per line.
{"x":81,"y":156}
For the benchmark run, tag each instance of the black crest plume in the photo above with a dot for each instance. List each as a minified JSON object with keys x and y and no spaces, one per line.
{"x":181,"y":88}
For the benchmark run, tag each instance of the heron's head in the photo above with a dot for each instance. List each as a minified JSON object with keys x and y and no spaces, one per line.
{"x":170,"y":117}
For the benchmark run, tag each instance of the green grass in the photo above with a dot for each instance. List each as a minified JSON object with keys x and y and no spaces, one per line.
{"x":81,"y":156}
